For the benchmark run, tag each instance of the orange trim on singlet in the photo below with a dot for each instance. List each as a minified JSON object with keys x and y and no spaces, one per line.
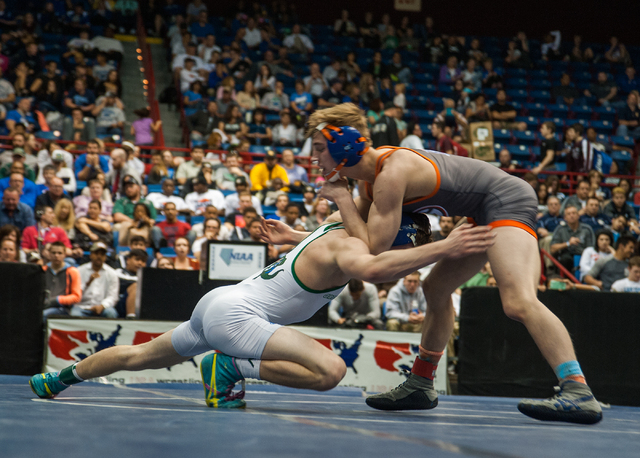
{"x":384,"y":156}
{"x":512,"y":223}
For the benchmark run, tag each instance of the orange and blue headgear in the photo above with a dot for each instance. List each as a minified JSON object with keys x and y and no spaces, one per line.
{"x":346,"y":146}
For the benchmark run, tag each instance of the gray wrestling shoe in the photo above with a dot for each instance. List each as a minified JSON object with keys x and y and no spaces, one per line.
{"x":574,"y":403}
{"x":416,"y":393}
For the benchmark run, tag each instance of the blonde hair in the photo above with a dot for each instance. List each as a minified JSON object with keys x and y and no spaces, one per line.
{"x":345,"y":114}
{"x":401,"y":88}
{"x":67,"y":224}
{"x":618,"y":190}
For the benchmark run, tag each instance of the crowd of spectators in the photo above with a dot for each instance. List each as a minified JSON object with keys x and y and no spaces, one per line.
{"x":247,"y":84}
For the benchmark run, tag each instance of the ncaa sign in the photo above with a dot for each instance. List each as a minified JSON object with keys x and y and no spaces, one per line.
{"x":235,"y":261}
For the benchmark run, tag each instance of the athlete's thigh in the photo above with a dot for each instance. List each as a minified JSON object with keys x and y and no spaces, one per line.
{"x":449,"y":274}
{"x":159,"y":352}
{"x":515,"y":262}
{"x":287,"y":344}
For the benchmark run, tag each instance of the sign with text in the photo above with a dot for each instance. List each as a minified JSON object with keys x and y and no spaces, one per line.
{"x":235,"y":260}
{"x":375,"y":360}
{"x":408,"y":5}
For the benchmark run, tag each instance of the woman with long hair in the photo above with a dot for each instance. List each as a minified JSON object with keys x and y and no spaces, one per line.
{"x":65,"y":217}
{"x":233,"y":125}
{"x":553,"y":187}
{"x":9,"y":231}
{"x":111,"y":84}
{"x":603,"y":248}
{"x":320,"y":211}
{"x":182,"y":261}
{"x":158,"y":170}
{"x":259,"y":131}
{"x":211,"y":232}
{"x":351,"y":66}
{"x":144,"y":128}
{"x":141,"y":225}
{"x":368,"y":88}
{"x":9,"y":250}
{"x":248,"y":98}
{"x":265,"y":81}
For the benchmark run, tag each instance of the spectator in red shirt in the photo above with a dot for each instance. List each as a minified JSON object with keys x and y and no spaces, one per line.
{"x":444,"y":144}
{"x":44,"y":232}
{"x":172,"y":228}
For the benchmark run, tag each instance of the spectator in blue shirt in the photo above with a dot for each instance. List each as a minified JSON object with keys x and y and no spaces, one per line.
{"x":202,"y":28}
{"x":301,"y":101}
{"x":628,"y":82}
{"x":22,"y":115}
{"x":89,"y":164}
{"x":14,"y":212}
{"x":80,"y":97}
{"x":593,"y":216}
{"x":27,"y":188}
{"x":77,"y":19}
{"x":551,"y":219}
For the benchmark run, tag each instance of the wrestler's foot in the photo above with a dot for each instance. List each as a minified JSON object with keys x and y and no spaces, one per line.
{"x":416,"y":393}
{"x":219,"y":376}
{"x":574,"y":403}
{"x":46,"y":386}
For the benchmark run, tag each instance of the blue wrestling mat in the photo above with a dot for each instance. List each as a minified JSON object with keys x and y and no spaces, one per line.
{"x":164,"y":420}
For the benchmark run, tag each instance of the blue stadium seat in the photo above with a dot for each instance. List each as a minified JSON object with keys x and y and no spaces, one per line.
{"x":535,"y":109}
{"x":516,"y":72}
{"x":582,"y":112}
{"x":535,"y":152}
{"x":168,"y":252}
{"x":425,"y":89}
{"x":445,"y":90}
{"x":621,"y":156}
{"x":258,"y":149}
{"x":540,"y":84}
{"x":525,"y":138}
{"x":497,"y":147}
{"x":516,"y":83}
{"x":431,"y":67}
{"x":425,"y":116}
{"x":417,"y":101}
{"x":540,"y":96}
{"x":540,"y":74}
{"x":605,"y":113}
{"x":622,"y":141}
{"x":503,"y":135}
{"x":197,"y":219}
{"x":602,"y":127}
{"x":518,"y":95}
{"x":580,"y":66}
{"x":582,"y":76}
{"x":558,"y":110}
{"x":559,"y":122}
{"x":490,"y":93}
{"x":437,"y":103}
{"x":519,"y":152}
{"x":154,"y":188}
{"x":429,"y":144}
{"x":321,"y":59}
{"x":422,"y":77}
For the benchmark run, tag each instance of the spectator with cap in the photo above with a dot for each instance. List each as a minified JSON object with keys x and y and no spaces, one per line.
{"x":14,"y":212}
{"x":385,"y":130}
{"x":133,"y":157}
{"x":135,"y":260}
{"x":357,"y":306}
{"x":19,"y":140}
{"x":63,"y":284}
{"x":81,"y":202}
{"x":124,"y":208}
{"x":190,"y":169}
{"x":172,"y":228}
{"x":18,"y":156}
{"x":227,"y":175}
{"x":109,"y":116}
{"x":406,"y":305}
{"x":605,"y":272}
{"x":120,"y":168}
{"x":263,"y":173}
{"x":332,"y":96}
{"x":100,"y":286}
{"x":54,"y":195}
{"x":63,"y":172}
{"x":22,"y":115}
{"x":43,"y":232}
{"x":159,"y":199}
{"x":89,"y":164}
{"x":570,"y":238}
{"x":202,"y":196}
{"x":232,"y":201}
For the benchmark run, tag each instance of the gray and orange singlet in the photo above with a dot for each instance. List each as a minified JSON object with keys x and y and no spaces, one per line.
{"x":472,"y":188}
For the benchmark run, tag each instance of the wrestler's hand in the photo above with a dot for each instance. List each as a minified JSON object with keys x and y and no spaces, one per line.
{"x":277,"y":233}
{"x":467,"y":240}
{"x":336,"y":190}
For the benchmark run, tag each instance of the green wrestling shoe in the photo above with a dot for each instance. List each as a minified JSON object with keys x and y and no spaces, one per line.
{"x":416,"y":393}
{"x":46,"y":386}
{"x":574,"y":403}
{"x":219,"y":376}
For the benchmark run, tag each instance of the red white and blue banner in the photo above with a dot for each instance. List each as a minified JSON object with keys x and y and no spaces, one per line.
{"x":375,"y":359}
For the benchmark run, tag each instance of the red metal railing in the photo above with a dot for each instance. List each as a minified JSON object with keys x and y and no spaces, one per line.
{"x":563,"y":270}
{"x":147,"y":64}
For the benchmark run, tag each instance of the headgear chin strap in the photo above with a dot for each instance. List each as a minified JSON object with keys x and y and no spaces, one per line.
{"x":346,"y":146}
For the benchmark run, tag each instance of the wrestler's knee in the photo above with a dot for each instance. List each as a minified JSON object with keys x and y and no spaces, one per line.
{"x":333,"y":369}
{"x":518,"y":308}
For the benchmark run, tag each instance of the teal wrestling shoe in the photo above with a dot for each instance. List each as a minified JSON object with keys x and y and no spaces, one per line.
{"x":219,"y":376}
{"x":574,"y":403}
{"x":46,"y":386}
